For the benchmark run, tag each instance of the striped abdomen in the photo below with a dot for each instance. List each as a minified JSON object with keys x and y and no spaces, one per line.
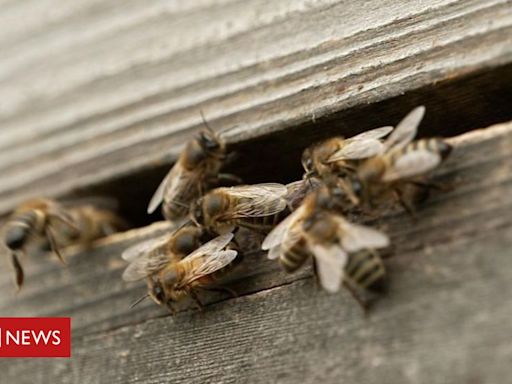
{"x":294,"y":253}
{"x":434,"y":145}
{"x":365,"y":270}
{"x":263,"y":224}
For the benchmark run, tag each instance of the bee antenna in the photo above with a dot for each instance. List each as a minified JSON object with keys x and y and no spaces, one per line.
{"x":139,"y":300}
{"x":205,"y":122}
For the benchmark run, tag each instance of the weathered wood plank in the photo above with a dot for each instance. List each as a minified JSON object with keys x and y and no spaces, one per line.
{"x":132,"y":106}
{"x":446,"y":320}
{"x":92,"y":292}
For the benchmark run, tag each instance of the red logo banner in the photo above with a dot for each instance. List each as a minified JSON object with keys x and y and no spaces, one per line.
{"x":35,"y":337}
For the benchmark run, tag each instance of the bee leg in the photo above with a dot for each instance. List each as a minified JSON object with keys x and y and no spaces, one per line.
{"x":54,"y":245}
{"x":362,"y":303}
{"x":405,"y":204}
{"x":315,"y":275}
{"x":197,"y":301}
{"x":170,"y":308}
{"x":18,"y":271}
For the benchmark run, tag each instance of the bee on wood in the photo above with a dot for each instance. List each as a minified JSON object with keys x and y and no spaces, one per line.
{"x":257,"y":207}
{"x":387,"y":176}
{"x":39,"y":223}
{"x":317,"y":230}
{"x":339,"y":156}
{"x":196,"y":169}
{"x":171,"y":278}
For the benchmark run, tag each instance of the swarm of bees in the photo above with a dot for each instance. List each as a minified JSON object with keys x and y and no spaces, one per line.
{"x":309,"y":219}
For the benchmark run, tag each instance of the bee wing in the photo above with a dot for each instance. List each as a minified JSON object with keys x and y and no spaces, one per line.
{"x":274,"y":252}
{"x":330,"y":261}
{"x":355,"y":237}
{"x":276,"y":236}
{"x":412,"y":164}
{"x":173,"y":185}
{"x":376,"y":133}
{"x":406,"y":130}
{"x":213,"y":258}
{"x":145,"y":265}
{"x":139,"y":249}
{"x":298,"y":190}
{"x":158,"y":196}
{"x":258,"y":200}
{"x":212,"y":263}
{"x":211,"y":247}
{"x":358,"y":149}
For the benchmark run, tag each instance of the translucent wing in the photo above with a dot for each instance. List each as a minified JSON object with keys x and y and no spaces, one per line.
{"x":177,"y":184}
{"x":101,"y":202}
{"x":298,"y":190}
{"x":213,"y":263}
{"x":355,"y":237}
{"x":212,"y":246}
{"x":406,"y":130}
{"x":158,"y":196}
{"x":376,"y":133}
{"x":276,"y":236}
{"x":274,"y":253}
{"x":330,"y":261}
{"x":412,"y":164}
{"x":258,"y":200}
{"x":146,"y":265}
{"x":144,"y":247}
{"x":359,"y":149}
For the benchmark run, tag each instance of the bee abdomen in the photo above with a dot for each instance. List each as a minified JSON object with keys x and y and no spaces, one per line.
{"x":261,"y":223}
{"x":293,"y":256}
{"x":435,"y":145}
{"x":365,"y":270}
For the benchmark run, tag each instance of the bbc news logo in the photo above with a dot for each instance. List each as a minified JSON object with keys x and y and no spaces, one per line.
{"x":35,"y":337}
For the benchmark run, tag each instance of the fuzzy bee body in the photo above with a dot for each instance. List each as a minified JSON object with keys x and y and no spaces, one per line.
{"x":46,"y":222}
{"x":256,"y":207}
{"x":196,"y":168}
{"x":365,"y":270}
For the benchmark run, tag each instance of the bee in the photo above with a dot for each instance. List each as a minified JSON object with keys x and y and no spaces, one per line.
{"x":151,"y":256}
{"x":316,"y":230}
{"x":298,"y":190}
{"x":44,"y":222}
{"x":170,"y":280}
{"x":387,"y":176}
{"x":195,"y":170}
{"x":257,"y":207}
{"x":339,"y":156}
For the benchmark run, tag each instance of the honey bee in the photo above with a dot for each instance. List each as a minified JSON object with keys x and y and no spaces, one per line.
{"x":151,"y":256}
{"x":316,"y":230}
{"x":42,"y":222}
{"x":339,"y":156}
{"x":257,"y":207}
{"x":195,"y":170}
{"x":170,"y":280}
{"x":387,"y":176}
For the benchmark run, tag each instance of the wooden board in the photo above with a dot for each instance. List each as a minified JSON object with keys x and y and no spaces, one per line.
{"x":104,"y":89}
{"x":445,"y":318}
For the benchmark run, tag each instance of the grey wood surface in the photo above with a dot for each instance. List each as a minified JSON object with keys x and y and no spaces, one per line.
{"x":446,"y":318}
{"x":102,"y":89}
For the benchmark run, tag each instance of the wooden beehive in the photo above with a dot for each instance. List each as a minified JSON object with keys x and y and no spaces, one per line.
{"x":99,"y":96}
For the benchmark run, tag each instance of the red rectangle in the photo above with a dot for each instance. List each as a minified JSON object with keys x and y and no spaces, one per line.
{"x":35,"y":337}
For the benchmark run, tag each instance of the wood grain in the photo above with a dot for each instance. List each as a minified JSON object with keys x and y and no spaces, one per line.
{"x":104,"y":89}
{"x":444,"y":319}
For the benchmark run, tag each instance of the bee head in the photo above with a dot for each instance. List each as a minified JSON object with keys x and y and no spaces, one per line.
{"x":16,"y":236}
{"x":157,"y":293}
